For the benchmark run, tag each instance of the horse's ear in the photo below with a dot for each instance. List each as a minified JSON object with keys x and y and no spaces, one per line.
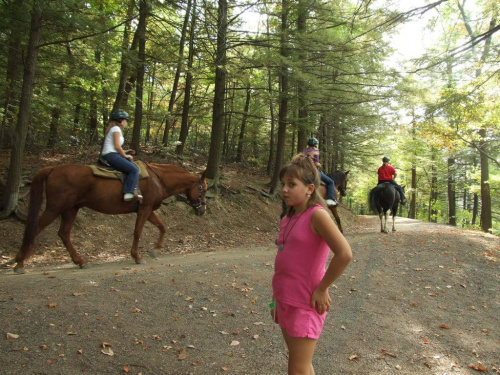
{"x":203,"y":175}
{"x":346,"y":172}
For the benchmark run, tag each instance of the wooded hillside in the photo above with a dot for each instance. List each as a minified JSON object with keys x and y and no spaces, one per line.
{"x":207,"y":77}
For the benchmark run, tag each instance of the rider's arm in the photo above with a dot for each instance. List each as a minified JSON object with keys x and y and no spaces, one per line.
{"x":118,"y":147}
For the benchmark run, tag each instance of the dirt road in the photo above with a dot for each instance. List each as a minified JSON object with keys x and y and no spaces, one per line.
{"x":422,"y":300}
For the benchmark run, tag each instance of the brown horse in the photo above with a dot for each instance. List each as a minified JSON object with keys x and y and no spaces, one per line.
{"x":340,"y":178}
{"x":70,"y":187}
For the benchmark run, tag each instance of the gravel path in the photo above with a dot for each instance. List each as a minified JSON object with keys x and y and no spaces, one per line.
{"x":422,"y":300}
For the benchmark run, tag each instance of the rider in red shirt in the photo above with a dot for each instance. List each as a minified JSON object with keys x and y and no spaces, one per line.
{"x":387,"y":173}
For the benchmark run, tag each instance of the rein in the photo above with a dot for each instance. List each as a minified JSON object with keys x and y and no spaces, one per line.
{"x":159,"y":178}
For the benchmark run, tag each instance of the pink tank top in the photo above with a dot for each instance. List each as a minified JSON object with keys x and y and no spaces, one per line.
{"x":300,"y":264}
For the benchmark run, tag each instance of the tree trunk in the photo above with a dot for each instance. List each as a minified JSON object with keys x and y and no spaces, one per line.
{"x":217,"y":134}
{"x":413,"y":202}
{"x":452,"y":202}
{"x":178,"y":70}
{"x":486,"y":222}
{"x":151,"y":98}
{"x":228,"y":141}
{"x":141,"y":67}
{"x":55,"y":118}
{"x":125,"y":60}
{"x":475,"y":208}
{"x":273,"y":126}
{"x":14,"y":72}
{"x":302,"y":91}
{"x":432,"y":216}
{"x":283,"y":109}
{"x":11,"y":192}
{"x":239,"y":152}
{"x":189,"y":82}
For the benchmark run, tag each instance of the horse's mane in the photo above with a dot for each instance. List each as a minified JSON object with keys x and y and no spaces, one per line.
{"x":169,"y":168}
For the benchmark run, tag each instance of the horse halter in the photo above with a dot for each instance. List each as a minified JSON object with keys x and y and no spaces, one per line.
{"x":197,"y":204}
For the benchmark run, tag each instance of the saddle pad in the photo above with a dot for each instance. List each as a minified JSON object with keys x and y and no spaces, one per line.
{"x":114,"y":174}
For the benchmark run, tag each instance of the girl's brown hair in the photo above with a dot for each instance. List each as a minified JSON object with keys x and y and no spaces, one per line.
{"x":111,"y":123}
{"x":302,"y":168}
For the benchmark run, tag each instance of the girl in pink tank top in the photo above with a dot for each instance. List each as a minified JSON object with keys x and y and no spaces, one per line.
{"x":300,"y":282}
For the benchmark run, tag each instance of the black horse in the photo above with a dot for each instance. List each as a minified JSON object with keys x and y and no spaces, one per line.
{"x":340,"y":179}
{"x":382,"y":198}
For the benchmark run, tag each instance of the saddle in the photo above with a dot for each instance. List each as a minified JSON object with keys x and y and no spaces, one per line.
{"x":109,"y":172}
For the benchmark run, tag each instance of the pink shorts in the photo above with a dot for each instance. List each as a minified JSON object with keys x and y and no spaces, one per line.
{"x":298,"y":322}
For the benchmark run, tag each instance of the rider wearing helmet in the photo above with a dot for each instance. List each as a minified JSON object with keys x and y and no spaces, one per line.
{"x":118,"y":158}
{"x":387,"y":173}
{"x":313,"y":152}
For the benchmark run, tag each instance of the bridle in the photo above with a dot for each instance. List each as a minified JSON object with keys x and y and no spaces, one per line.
{"x":199,"y":203}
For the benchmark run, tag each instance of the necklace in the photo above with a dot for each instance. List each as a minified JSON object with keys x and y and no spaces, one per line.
{"x":282,"y":246}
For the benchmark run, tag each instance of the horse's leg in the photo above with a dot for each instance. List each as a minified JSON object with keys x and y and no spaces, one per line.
{"x":26,"y":250}
{"x":142,"y":216}
{"x":337,"y":217}
{"x":394,"y":213}
{"x":386,"y":213}
{"x":155,"y":219}
{"x":381,"y":217}
{"x":67,"y":221}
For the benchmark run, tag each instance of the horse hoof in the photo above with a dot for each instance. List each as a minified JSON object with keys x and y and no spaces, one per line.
{"x":140,"y":261}
{"x":84,"y":266}
{"x":19,"y":270}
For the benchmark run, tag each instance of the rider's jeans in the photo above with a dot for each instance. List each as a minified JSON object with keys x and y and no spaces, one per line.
{"x":126,"y":166}
{"x":330,"y":185}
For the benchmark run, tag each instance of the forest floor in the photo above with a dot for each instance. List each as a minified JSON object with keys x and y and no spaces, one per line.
{"x":422,"y":300}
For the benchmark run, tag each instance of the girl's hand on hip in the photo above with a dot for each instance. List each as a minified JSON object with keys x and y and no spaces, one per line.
{"x":321,"y":301}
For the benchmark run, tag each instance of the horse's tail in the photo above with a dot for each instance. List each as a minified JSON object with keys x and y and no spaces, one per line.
{"x":372,"y":198}
{"x":36,"y":199}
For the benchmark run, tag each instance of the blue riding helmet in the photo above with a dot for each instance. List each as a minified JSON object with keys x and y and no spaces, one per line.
{"x":119,"y":115}
{"x":312,"y":142}
{"x":385,"y":159}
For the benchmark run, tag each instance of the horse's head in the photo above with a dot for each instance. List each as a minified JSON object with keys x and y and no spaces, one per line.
{"x":196,"y":196}
{"x":342,"y":186}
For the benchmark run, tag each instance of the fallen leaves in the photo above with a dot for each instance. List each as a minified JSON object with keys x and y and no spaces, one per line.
{"x":106,"y":348}
{"x":11,"y":336}
{"x":182,"y":354}
{"x":479,"y":368}
{"x":388,"y":353}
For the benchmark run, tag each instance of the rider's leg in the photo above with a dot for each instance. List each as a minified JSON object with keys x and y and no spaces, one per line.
{"x":330,"y":189}
{"x":400,"y":191}
{"x":126,"y":166}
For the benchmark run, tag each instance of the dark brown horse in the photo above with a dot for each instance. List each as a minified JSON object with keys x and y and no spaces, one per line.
{"x":340,"y":178}
{"x":71,"y":187}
